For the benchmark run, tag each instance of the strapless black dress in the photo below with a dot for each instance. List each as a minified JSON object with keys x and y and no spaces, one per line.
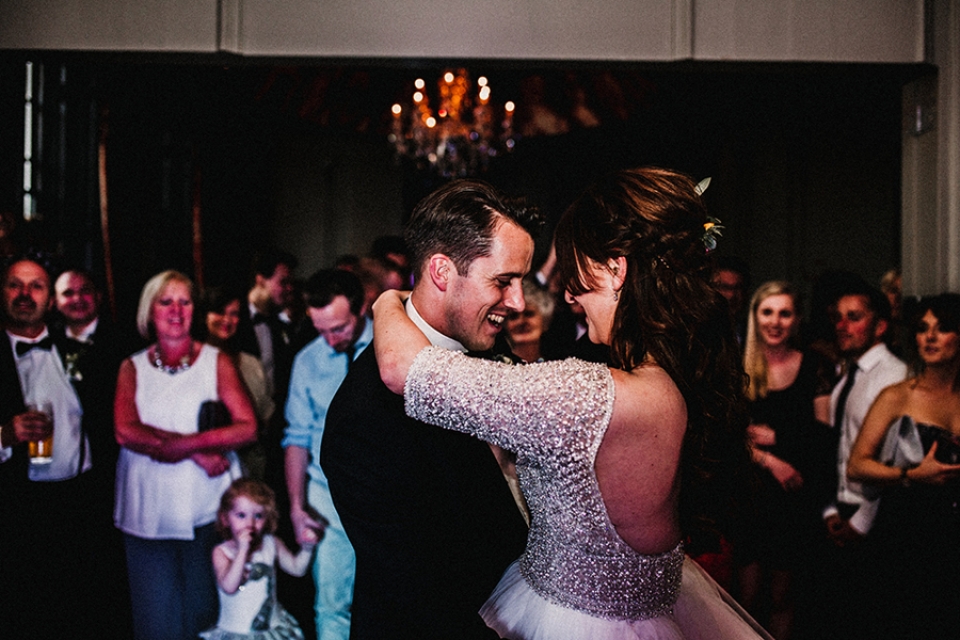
{"x":915,"y":548}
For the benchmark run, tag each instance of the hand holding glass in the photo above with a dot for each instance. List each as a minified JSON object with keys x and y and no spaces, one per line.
{"x":41,"y":451}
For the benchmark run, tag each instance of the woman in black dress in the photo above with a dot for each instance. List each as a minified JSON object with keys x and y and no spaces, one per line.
{"x":908,"y":448}
{"x":789,"y":393}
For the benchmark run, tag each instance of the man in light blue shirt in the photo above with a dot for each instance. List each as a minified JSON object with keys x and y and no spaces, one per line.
{"x":336,"y":307}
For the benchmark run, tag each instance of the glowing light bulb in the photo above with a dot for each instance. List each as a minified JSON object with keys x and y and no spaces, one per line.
{"x":509,"y":106}
{"x":417,"y":96}
{"x":419,"y":83}
{"x":448,"y":77}
{"x":396,"y":109}
{"x":482,"y":81}
{"x":485,"y":93}
{"x":431,"y":122}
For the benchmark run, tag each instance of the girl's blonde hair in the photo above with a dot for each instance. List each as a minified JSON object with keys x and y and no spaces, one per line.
{"x":754,"y":360}
{"x":256,"y":491}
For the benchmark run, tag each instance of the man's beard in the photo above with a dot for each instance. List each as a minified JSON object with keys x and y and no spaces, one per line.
{"x":21,"y":310}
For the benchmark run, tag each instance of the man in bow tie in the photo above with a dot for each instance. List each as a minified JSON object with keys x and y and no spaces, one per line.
{"x":428,"y":511}
{"x":47,"y":523}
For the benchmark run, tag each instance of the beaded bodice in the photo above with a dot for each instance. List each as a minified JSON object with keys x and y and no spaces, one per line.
{"x":553,"y":416}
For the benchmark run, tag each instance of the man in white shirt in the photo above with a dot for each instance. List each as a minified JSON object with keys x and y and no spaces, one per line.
{"x":861,"y":321}
{"x":47,"y":531}
{"x":861,"y":325}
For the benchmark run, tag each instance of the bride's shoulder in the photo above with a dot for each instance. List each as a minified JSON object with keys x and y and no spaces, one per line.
{"x":648,"y":386}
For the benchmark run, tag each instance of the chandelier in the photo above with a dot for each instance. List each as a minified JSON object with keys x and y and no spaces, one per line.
{"x":464,"y":133}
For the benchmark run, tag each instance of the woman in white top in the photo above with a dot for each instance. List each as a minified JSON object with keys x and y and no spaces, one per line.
{"x":170,"y":476}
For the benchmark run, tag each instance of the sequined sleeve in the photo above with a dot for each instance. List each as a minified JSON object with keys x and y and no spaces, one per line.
{"x":523,"y":408}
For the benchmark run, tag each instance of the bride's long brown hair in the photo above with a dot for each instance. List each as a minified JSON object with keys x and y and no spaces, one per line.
{"x":670,"y":312}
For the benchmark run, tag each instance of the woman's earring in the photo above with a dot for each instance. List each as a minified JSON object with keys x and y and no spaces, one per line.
{"x":616,"y":296}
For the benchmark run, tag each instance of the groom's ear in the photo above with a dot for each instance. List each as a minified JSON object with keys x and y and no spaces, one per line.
{"x":440,"y":268}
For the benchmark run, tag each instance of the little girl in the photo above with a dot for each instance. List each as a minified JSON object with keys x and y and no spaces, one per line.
{"x":245,"y":566}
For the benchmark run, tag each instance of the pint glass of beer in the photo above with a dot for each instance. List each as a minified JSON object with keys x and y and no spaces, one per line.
{"x":41,"y":451}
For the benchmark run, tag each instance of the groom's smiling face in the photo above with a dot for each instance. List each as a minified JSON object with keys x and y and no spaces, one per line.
{"x":478,"y":302}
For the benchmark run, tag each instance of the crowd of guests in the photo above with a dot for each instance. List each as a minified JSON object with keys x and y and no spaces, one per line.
{"x":855,"y":505}
{"x":186,"y":459}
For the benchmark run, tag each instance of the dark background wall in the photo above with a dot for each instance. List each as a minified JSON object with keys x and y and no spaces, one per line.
{"x":805,"y":159}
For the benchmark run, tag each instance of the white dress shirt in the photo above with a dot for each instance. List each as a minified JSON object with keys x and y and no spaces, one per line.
{"x":877,"y":370}
{"x":43,"y":379}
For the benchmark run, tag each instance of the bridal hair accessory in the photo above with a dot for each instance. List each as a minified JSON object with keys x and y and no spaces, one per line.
{"x":711,"y":231}
{"x":712,"y":227}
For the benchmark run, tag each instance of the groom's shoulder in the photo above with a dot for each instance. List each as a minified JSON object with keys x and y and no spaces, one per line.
{"x":362,"y":391}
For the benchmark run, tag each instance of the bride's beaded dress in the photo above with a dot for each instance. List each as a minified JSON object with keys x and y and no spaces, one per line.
{"x":577,"y":578}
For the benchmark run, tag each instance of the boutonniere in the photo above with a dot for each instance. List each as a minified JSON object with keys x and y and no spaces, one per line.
{"x":72,"y":366}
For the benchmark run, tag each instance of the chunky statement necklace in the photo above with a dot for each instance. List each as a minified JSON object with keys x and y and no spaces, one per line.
{"x":182,"y":365}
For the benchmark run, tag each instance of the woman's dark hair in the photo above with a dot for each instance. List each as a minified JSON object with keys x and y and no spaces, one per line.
{"x":669,"y":312}
{"x":215,"y":300}
{"x":946,"y":309}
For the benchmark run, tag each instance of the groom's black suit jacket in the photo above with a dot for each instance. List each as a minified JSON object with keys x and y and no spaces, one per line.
{"x":428,"y":512}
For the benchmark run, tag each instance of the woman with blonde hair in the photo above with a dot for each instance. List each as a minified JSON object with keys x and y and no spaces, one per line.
{"x":789,"y":395}
{"x":170,"y":474}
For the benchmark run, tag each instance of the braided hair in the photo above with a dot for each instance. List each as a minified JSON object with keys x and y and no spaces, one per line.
{"x":669,"y":313}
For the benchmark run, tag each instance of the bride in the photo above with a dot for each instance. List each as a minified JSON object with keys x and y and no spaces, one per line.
{"x":618,"y":465}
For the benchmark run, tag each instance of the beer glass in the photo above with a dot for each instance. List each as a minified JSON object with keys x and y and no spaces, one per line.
{"x":41,"y":451}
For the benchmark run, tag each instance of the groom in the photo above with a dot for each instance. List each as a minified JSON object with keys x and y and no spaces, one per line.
{"x":428,"y":511}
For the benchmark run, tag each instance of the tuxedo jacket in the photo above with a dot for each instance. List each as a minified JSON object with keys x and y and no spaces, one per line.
{"x":71,"y":520}
{"x":14,"y":470}
{"x":97,"y":364}
{"x":428,"y":512}
{"x":98,"y":375}
{"x":15,"y":484}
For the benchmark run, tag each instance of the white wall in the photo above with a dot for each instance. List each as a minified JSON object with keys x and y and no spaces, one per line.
{"x":651,"y":30}
{"x":931,"y":167}
{"x":103,"y":25}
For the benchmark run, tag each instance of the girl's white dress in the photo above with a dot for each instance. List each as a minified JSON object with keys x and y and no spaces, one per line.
{"x":253,"y":613}
{"x":577,"y":579}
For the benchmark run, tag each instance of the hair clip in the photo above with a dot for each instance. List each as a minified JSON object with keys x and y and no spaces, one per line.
{"x":711,"y":230}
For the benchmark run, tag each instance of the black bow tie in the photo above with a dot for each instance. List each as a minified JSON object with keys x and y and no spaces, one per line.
{"x":259,"y":318}
{"x":24,"y":347}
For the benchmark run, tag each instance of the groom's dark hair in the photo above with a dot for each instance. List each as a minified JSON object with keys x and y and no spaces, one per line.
{"x":460,"y":219}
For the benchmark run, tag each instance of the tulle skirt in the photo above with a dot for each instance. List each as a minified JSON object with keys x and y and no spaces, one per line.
{"x":704,"y":611}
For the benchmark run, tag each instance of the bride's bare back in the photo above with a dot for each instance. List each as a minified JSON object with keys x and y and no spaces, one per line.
{"x":639,"y":457}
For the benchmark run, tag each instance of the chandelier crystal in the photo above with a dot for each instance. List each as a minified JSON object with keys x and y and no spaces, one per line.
{"x":465,"y":132}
